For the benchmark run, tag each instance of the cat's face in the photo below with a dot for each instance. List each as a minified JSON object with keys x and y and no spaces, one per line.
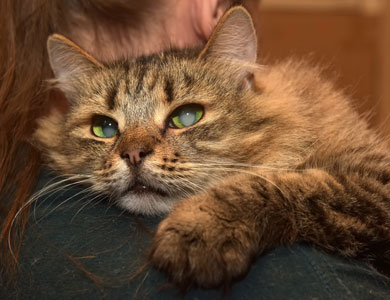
{"x":157,"y":129}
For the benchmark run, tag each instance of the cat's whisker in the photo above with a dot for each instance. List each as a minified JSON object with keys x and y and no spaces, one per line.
{"x":215,"y":163}
{"x":245,"y":172}
{"x":34,"y":198}
{"x":197,"y":186}
{"x":49,"y":187}
{"x":190,"y":184}
{"x":54,"y":189}
{"x":246,"y":165}
{"x":194,"y":187}
{"x":181,"y":187}
{"x":85,"y":190}
{"x":90,"y":200}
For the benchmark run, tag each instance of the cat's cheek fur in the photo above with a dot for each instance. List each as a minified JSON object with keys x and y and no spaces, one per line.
{"x":48,"y":138}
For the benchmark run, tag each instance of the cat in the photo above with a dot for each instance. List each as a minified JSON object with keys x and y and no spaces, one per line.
{"x":241,"y":157}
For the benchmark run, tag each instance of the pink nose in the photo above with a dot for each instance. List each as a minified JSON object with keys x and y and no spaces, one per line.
{"x":134,"y":156}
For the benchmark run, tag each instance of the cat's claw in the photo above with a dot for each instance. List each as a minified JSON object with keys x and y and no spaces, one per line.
{"x":195,"y":247}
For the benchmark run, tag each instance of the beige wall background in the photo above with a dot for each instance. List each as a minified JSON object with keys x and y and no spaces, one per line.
{"x":352,"y":37}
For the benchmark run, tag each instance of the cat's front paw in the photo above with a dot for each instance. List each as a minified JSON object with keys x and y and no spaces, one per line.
{"x":199,"y":244}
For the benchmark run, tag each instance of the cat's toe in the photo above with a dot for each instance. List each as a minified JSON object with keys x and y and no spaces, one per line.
{"x":201,"y":251}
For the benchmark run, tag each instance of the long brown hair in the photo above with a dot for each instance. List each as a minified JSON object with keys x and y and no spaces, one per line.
{"x":24,"y":67}
{"x":24,"y":29}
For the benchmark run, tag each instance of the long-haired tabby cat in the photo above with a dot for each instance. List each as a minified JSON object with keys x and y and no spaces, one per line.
{"x":243,"y":157}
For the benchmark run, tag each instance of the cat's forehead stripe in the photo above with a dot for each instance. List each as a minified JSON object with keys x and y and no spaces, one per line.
{"x":141,"y":75}
{"x":153,"y":80}
{"x":168,"y":89}
{"x":112,"y":93}
{"x":188,"y":80}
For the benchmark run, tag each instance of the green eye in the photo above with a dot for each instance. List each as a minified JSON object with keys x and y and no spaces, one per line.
{"x":186,"y":115}
{"x":104,"y":127}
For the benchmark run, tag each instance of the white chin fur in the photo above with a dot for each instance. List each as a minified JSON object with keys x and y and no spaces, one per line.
{"x":146,"y":204}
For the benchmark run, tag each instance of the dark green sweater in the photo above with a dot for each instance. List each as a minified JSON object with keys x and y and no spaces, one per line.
{"x":80,"y":248}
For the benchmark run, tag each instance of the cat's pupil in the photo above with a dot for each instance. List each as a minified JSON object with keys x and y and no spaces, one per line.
{"x":108,"y":128}
{"x":187,"y":117}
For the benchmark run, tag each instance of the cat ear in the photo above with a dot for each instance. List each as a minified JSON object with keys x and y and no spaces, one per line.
{"x":233,"y":39}
{"x":68,"y":61}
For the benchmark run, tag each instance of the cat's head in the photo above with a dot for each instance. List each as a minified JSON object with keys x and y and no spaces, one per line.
{"x":151,"y":131}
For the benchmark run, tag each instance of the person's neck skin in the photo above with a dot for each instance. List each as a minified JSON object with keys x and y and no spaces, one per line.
{"x":176,"y":23}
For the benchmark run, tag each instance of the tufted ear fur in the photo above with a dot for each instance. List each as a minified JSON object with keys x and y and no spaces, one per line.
{"x":234,"y":40}
{"x":69,"y":62}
